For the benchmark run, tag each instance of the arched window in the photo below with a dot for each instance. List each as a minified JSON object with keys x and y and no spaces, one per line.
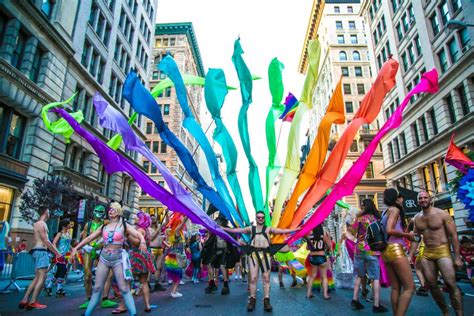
{"x":355,"y":55}
{"x":342,"y":55}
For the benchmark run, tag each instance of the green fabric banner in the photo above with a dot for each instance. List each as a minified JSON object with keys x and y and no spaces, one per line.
{"x":275,"y":81}
{"x":245,"y":79}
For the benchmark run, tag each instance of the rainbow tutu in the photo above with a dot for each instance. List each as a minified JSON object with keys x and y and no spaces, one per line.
{"x":175,"y":273}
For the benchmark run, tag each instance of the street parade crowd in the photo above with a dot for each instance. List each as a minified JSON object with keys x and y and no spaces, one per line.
{"x":121,"y":258}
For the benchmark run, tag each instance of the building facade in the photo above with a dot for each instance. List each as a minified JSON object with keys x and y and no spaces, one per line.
{"x":416,"y":33}
{"x":49,"y":50}
{"x":344,"y":54}
{"x":179,"y":40}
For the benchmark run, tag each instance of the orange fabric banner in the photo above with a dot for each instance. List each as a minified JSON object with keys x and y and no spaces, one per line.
{"x":456,"y":157}
{"x":368,"y":112}
{"x":317,"y":154}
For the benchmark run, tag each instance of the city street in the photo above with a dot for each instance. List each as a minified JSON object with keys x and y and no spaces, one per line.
{"x":194,"y":302}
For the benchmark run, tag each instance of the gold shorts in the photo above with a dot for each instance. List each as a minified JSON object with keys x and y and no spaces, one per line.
{"x":393,"y":252}
{"x":156,"y":251}
{"x":436,"y":253}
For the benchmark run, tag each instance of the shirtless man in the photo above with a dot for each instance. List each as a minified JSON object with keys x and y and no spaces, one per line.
{"x":156,"y":246}
{"x":438,"y":231}
{"x":259,"y":257}
{"x":41,"y":259}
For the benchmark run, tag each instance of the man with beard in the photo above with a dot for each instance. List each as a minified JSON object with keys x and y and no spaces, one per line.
{"x":437,"y":228}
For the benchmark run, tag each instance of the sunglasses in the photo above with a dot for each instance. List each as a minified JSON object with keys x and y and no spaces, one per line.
{"x":260,"y":217}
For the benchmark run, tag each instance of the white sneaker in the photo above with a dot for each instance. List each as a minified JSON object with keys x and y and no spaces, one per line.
{"x":176,"y":295}
{"x":170,"y":282}
{"x":181,"y":282}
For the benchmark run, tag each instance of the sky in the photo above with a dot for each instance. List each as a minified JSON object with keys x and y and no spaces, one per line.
{"x":267,"y":29}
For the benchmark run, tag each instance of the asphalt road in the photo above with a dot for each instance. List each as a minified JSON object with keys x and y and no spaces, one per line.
{"x":195,"y":302}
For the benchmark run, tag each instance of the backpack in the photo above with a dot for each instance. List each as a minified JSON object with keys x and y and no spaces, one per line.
{"x":376,"y":236}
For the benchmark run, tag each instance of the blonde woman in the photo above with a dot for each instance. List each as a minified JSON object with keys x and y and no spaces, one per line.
{"x":111,"y":256}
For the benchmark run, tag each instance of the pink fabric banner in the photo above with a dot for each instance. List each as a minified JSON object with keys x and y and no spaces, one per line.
{"x":345,"y":187}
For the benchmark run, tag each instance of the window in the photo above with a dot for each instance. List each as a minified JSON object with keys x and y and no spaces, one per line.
{"x":443,"y":61}
{"x":94,"y":13}
{"x":397,"y":148}
{"x":19,"y":49}
{"x":418,"y":45}
{"x":163,"y":148}
{"x":153,"y":168}
{"x":36,"y":65}
{"x":355,"y":55}
{"x":403,"y":142}
{"x":406,"y":23}
{"x":434,"y":125}
{"x":416,"y":136}
{"x":166,"y":109}
{"x":444,"y":10}
{"x":156,"y":146}
{"x":342,"y":55}
{"x":360,"y":89}
{"x":345,"y":71}
{"x":340,"y":39}
{"x":456,"y":4}
{"x":463,"y":99}
{"x":349,"y":107}
{"x":411,"y":54}
{"x":434,"y":24}
{"x":149,"y":128}
{"x":338,"y":25}
{"x":347,"y":88}
{"x":354,"y":147}
{"x":464,"y":36}
{"x":424,"y":127}
{"x":394,"y":5}
{"x":391,"y":157}
{"x":453,"y":50}
{"x":47,"y":8}
{"x":353,"y":39}
{"x":337,"y":10}
{"x":350,"y":9}
{"x":358,"y":71}
{"x":12,"y":130}
{"x":369,"y":171}
{"x":146,"y":166}
{"x":451,"y":111}
{"x":352,"y":25}
{"x":148,"y":144}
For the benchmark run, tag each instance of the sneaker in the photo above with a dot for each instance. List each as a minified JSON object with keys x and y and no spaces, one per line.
{"x":170,"y":282}
{"x":181,"y":282}
{"x":35,"y":305}
{"x":60,"y":292}
{"x":22,"y":304}
{"x":294,"y":284}
{"x":225,"y":290}
{"x":159,"y":287}
{"x":176,"y":295}
{"x":108,"y":304}
{"x":379,"y":309}
{"x":282,"y":286}
{"x":49,"y":291}
{"x":356,"y":305}
{"x":84,"y":305}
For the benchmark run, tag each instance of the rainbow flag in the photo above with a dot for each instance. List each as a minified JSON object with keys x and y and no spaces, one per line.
{"x":291,"y":104}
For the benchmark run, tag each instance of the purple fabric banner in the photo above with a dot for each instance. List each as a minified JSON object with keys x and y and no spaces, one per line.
{"x":115,"y":162}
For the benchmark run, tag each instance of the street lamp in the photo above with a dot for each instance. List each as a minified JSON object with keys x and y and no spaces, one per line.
{"x":457,"y":25}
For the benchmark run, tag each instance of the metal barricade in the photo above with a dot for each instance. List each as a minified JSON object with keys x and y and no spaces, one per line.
{"x":21,"y":267}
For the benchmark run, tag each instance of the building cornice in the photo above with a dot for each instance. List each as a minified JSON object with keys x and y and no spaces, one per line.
{"x":187,"y":29}
{"x":311,"y":32}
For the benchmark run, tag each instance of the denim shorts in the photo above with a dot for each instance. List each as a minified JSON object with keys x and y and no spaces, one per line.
{"x":41,"y":258}
{"x":367,"y":264}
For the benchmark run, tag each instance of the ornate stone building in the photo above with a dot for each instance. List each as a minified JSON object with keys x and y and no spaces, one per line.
{"x":49,"y":50}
